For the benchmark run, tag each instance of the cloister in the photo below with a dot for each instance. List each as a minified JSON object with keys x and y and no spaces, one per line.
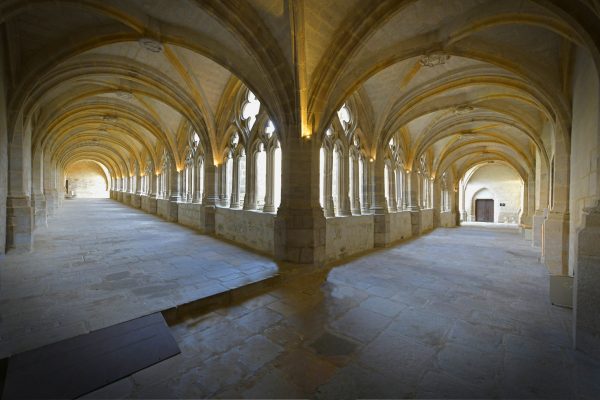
{"x":307,"y":134}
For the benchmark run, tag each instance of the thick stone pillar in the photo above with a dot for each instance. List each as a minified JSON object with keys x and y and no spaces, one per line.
{"x":38,"y":199}
{"x":174,"y":191}
{"x":381,"y":217}
{"x":210,"y":197}
{"x":300,"y":228}
{"x":412,"y":195}
{"x":19,"y":212}
{"x":587,"y":284}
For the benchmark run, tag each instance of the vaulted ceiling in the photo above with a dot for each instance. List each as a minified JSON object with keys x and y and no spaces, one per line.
{"x":118,"y":81}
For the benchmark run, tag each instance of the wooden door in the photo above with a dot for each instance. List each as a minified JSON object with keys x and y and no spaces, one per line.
{"x":484,"y":210}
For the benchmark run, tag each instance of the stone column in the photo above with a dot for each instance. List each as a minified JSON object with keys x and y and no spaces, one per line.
{"x":19,"y":212}
{"x":381,"y":218}
{"x":269,"y":207}
{"x":300,"y":223}
{"x":344,"y":185}
{"x":198,"y":183}
{"x":412,"y":195}
{"x":587,"y":284}
{"x":174,"y":193}
{"x":37,"y":186}
{"x":437,"y":202}
{"x":50,"y":186}
{"x":210,"y":197}
{"x":250,"y":196}
{"x":393,"y":194}
{"x":355,"y":187}
{"x":329,"y":205}
{"x":366,"y":204}
{"x":235,"y":177}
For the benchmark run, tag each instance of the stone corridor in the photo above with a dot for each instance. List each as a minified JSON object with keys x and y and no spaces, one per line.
{"x":99,"y":263}
{"x":457,"y":313}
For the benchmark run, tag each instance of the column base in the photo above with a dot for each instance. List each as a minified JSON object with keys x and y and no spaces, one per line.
{"x":561,"y":290}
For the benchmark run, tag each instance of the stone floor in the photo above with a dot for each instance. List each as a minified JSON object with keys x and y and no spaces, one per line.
{"x":100,"y":262}
{"x":458,"y":313}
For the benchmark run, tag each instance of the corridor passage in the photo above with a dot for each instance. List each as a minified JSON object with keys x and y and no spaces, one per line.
{"x":100,"y":262}
{"x":457,"y":313}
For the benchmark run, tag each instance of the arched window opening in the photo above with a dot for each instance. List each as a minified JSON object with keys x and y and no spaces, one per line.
{"x":188,"y":178}
{"x":277,"y":176}
{"x":386,"y":184}
{"x":335,"y":180}
{"x":344,"y":116}
{"x":250,"y":109}
{"x":242,"y":175}
{"x":261,"y":177}
{"x":164,"y":177}
{"x":322,"y":156}
{"x":361,"y":180}
{"x":195,"y":140}
{"x":228,"y":177}
{"x":200,"y":180}
{"x":400,"y":187}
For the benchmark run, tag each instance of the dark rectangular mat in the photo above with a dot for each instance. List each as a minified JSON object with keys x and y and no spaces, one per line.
{"x":79,"y":365}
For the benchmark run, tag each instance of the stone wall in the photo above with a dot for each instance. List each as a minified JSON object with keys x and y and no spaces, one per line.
{"x":500,"y":183}
{"x":584,"y":256}
{"x":87,"y":180}
{"x":426,"y":220}
{"x":585,"y":142}
{"x":250,"y":228}
{"x":190,"y":214}
{"x":149,"y":204}
{"x":346,"y":236}
{"x":400,"y":226}
{"x":447,"y":220}
{"x":163,"y":209}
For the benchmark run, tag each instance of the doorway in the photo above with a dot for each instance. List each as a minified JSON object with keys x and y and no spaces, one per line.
{"x":484,"y":210}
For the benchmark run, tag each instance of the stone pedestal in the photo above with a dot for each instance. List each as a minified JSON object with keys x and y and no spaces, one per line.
{"x":208,"y":217}
{"x":587,"y":284}
{"x":300,"y":235}
{"x":415,"y":220}
{"x":136,"y":200}
{"x":381,"y":230}
{"x":19,"y":224}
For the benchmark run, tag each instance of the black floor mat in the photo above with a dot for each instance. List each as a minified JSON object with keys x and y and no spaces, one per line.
{"x":79,"y":365}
